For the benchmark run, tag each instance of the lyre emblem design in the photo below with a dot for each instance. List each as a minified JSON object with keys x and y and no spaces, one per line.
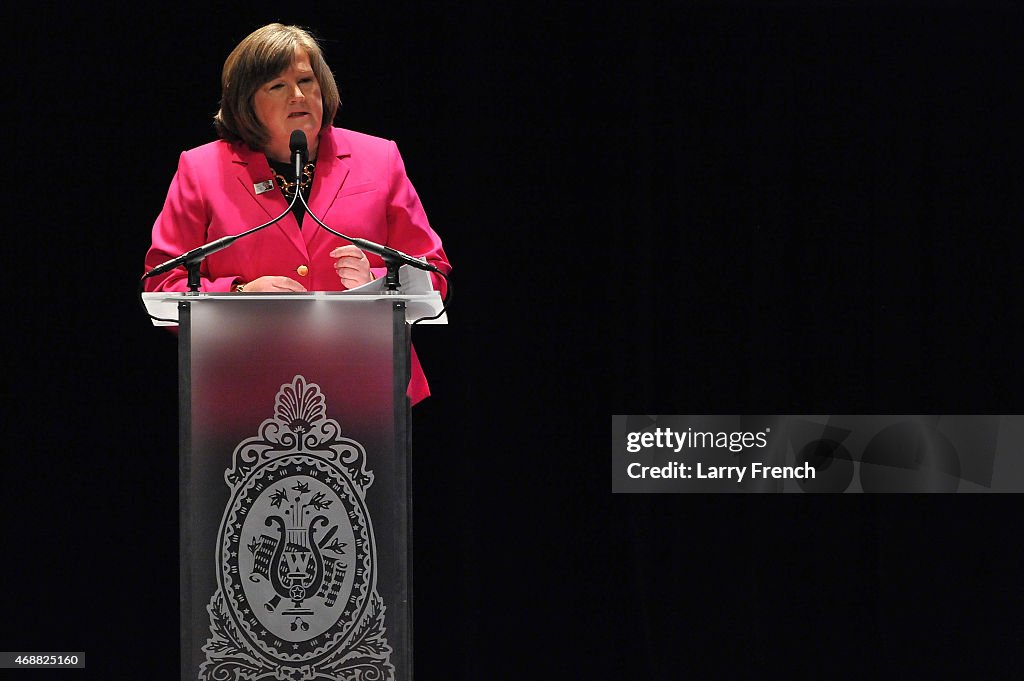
{"x":297,"y":595}
{"x":304,"y":558}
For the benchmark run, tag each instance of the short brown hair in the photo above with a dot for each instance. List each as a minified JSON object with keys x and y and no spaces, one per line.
{"x":261,"y":57}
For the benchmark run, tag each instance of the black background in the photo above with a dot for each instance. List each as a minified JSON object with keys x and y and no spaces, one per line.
{"x":650,"y":208}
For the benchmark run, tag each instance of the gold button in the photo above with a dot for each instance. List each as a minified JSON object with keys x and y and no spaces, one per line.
{"x":303,"y":270}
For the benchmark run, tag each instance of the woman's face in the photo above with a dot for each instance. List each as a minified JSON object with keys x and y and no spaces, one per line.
{"x":290,"y":102}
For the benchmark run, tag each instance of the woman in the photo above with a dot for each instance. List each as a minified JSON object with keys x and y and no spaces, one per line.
{"x":274,"y":82}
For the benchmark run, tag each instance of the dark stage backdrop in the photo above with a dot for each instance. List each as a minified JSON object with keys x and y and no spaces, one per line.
{"x":758,"y":209}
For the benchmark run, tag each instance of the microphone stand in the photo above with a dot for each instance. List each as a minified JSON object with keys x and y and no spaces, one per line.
{"x":192,"y":259}
{"x":299,"y":146}
{"x":393,"y":259}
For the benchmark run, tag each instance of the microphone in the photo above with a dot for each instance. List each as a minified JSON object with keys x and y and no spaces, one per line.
{"x":389,"y":254}
{"x":193,"y":257}
{"x":299,"y":148}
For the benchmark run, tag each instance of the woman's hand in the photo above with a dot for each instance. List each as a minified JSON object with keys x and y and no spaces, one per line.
{"x":352,"y":266}
{"x":273,"y":285}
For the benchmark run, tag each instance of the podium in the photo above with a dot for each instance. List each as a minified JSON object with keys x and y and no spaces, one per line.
{"x":294,"y":489}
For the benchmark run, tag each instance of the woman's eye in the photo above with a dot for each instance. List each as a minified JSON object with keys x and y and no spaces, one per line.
{"x":277,"y":87}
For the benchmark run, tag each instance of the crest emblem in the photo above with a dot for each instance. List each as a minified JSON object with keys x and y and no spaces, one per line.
{"x":296,"y":563}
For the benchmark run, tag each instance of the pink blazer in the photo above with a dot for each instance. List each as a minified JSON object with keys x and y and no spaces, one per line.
{"x":360,"y":188}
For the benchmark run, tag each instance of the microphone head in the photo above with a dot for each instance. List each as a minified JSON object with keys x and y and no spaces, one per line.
{"x":297,"y":143}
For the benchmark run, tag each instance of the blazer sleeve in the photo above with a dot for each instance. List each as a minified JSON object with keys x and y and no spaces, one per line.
{"x":181,"y":226}
{"x":408,"y":228}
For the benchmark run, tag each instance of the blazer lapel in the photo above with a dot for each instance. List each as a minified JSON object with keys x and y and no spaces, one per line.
{"x":332,"y":170}
{"x":253,"y":170}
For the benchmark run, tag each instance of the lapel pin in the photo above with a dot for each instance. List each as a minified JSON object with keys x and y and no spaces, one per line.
{"x":264,"y":186}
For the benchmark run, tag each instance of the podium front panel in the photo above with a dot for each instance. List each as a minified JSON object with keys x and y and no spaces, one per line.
{"x":294,"y":489}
